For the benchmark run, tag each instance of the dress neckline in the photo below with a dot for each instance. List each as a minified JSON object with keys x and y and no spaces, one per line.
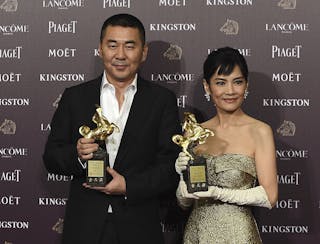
{"x":227,"y":154}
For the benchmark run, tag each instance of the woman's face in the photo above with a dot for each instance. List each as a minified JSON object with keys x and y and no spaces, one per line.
{"x":227,"y":91}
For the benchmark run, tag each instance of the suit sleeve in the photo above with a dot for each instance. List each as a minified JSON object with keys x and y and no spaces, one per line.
{"x":161,"y":177}
{"x":60,"y":154}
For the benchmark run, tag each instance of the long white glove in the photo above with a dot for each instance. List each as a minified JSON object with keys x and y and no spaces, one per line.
{"x":181,"y":163}
{"x":184,"y":198}
{"x":255,"y":196}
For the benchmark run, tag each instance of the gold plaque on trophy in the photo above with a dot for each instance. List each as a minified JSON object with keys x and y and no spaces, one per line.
{"x":195,"y":175}
{"x":96,"y":168}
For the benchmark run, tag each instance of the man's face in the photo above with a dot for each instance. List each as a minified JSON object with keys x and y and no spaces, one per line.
{"x":122,"y":53}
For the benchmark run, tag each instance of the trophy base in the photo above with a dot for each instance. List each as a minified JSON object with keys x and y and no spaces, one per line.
{"x":196,"y":175}
{"x":97,"y":169}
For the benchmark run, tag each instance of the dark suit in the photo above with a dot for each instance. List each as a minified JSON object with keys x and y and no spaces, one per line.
{"x":145,"y":158}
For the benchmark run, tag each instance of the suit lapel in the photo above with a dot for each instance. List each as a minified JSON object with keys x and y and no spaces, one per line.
{"x":92,"y":93}
{"x":89,"y":97}
{"x":136,"y":117}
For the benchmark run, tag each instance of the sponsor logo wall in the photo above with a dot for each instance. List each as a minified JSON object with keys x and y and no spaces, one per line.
{"x":48,"y":45}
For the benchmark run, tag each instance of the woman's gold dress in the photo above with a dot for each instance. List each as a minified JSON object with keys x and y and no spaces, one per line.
{"x":215,"y":222}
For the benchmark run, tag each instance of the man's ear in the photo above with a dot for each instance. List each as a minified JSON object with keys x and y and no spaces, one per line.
{"x":145,"y":52}
{"x":100,"y":50}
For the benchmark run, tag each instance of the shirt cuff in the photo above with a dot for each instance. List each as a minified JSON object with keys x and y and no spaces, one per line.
{"x":83,"y":163}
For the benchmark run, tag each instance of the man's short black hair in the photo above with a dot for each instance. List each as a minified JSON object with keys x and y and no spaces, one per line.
{"x":124,"y":20}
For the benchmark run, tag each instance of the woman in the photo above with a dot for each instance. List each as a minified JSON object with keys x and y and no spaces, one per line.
{"x":240,"y":154}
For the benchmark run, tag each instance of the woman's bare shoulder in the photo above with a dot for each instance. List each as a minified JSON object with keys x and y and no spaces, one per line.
{"x":209,"y":123}
{"x":258,"y":126}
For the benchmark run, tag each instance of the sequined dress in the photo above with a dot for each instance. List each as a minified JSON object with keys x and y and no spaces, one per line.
{"x":215,"y":222}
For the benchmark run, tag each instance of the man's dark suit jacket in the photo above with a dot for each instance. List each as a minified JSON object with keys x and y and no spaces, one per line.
{"x":145,"y":158}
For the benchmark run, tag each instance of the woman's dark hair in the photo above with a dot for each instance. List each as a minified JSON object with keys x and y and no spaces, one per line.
{"x":124,"y":20}
{"x":224,"y":60}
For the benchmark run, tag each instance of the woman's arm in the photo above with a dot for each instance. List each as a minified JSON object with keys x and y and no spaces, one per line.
{"x":265,"y":157}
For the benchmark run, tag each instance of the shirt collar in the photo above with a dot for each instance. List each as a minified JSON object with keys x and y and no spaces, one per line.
{"x":106,"y":84}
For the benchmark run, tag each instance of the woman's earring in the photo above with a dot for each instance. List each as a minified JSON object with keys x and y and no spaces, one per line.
{"x":207,"y":96}
{"x":246,"y":93}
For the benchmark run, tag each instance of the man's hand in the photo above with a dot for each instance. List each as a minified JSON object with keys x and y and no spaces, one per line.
{"x":85,"y":148}
{"x":117,"y":186}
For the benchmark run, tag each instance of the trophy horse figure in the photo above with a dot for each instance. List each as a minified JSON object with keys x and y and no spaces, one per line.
{"x":194,"y":134}
{"x":103,"y":130}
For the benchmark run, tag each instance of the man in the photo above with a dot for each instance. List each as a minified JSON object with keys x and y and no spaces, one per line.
{"x":141,"y":155}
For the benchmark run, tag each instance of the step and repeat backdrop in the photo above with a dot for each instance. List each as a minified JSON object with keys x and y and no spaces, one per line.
{"x":48,"y":45}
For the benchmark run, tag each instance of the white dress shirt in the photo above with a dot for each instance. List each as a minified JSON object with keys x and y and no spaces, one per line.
{"x":116,"y":115}
{"x":112,"y":112}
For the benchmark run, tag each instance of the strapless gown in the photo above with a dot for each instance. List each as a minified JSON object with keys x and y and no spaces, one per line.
{"x":215,"y":222}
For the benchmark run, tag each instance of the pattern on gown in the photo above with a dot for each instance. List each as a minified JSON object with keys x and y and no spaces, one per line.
{"x":215,"y":222}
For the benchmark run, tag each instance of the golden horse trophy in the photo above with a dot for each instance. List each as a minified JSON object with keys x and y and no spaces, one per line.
{"x":96,"y":167}
{"x":195,"y":175}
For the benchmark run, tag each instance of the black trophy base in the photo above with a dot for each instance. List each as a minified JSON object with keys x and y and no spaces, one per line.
{"x":97,"y":169}
{"x":196,"y":175}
